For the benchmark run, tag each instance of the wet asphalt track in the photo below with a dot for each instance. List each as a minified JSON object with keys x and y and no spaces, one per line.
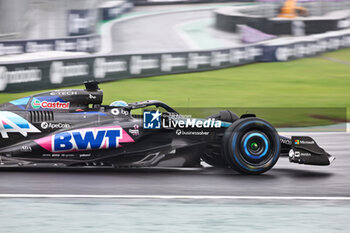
{"x":152,"y":34}
{"x":161,"y":32}
{"x":285,"y":179}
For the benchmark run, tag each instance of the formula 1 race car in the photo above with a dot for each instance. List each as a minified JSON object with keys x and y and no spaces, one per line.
{"x":71,"y":128}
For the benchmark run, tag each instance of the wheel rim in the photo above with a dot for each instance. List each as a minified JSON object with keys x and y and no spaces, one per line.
{"x":255,"y":145}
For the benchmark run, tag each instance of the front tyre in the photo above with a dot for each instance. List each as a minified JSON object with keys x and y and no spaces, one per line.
{"x":251,"y":146}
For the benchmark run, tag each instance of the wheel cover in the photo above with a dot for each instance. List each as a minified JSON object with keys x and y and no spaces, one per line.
{"x":255,"y":145}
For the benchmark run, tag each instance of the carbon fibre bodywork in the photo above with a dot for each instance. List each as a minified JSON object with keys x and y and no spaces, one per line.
{"x":70,"y":128}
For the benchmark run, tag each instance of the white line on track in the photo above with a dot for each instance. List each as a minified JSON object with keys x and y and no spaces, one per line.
{"x":185,"y":37}
{"x":214,"y":197}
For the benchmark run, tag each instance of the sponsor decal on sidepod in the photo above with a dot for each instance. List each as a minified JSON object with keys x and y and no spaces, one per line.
{"x":13,"y":123}
{"x":49,"y":125}
{"x":85,"y":139}
{"x":51,"y":105}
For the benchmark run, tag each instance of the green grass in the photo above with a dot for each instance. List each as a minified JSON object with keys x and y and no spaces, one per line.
{"x":341,"y":55}
{"x":310,"y":82}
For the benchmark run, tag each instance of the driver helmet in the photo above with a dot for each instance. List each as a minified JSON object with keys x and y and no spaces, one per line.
{"x":119,"y":103}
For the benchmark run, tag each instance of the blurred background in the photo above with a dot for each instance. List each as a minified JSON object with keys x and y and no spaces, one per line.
{"x":297,"y":52}
{"x":39,"y":19}
{"x":43,"y":19}
{"x":286,"y":60}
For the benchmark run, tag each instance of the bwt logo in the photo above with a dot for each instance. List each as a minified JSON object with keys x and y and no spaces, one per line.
{"x":85,"y":139}
{"x":151,"y":119}
{"x":88,"y":140}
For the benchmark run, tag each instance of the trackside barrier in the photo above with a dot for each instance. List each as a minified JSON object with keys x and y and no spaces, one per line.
{"x":87,"y":43}
{"x":307,"y":46}
{"x":263,"y":18}
{"x":167,"y":2}
{"x":56,"y":73}
{"x":113,"y":9}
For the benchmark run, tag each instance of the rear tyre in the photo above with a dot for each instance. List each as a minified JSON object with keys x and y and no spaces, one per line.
{"x":251,"y":146}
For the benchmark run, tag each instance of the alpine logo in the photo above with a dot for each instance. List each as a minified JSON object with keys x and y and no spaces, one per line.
{"x":85,"y":139}
{"x":13,"y":123}
{"x":51,"y":105}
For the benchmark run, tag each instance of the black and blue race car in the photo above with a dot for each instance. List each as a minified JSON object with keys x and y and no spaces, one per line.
{"x":71,"y":128}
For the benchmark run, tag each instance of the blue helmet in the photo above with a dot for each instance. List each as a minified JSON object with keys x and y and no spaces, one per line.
{"x":119,"y":103}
